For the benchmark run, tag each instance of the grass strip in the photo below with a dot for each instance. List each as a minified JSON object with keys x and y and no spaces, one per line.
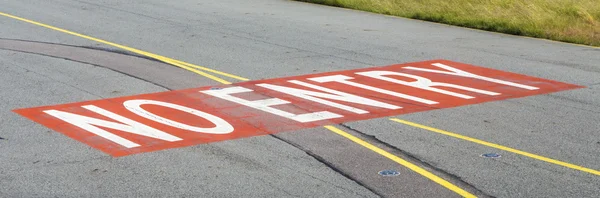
{"x":573,"y":21}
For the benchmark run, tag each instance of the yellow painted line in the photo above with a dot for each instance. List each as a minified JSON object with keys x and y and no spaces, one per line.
{"x":190,"y":67}
{"x":504,"y":148}
{"x":212,"y":70}
{"x":181,"y":64}
{"x":402,"y":162}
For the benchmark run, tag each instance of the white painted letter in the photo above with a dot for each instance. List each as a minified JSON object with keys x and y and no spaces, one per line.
{"x":333,"y":94}
{"x":222,"y":126}
{"x":344,"y":80}
{"x":90,"y":124}
{"x":265,"y":105}
{"x":424,"y":83}
{"x":458,"y":72}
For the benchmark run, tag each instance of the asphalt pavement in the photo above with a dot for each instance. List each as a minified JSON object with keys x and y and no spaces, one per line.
{"x":264,"y":39}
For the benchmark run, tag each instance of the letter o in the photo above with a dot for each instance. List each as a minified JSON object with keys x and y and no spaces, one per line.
{"x":222,"y":126}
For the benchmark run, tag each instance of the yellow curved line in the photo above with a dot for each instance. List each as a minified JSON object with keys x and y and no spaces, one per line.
{"x":212,"y":70}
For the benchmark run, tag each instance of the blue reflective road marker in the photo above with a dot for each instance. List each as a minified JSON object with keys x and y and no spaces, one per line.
{"x":491,"y":155}
{"x":389,"y":173}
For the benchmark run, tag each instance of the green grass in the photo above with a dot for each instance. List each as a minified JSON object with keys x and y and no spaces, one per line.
{"x":574,"y":21}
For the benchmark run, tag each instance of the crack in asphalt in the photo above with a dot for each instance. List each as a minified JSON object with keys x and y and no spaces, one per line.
{"x":111,"y":50}
{"x":92,"y":64}
{"x":52,"y":79}
{"x":328,"y":164}
{"x":414,"y":157}
{"x":593,"y":84}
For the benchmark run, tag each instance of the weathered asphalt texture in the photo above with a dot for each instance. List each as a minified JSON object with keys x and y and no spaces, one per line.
{"x":274,"y":38}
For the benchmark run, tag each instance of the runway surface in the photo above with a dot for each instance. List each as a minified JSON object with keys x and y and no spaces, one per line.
{"x":517,"y":144}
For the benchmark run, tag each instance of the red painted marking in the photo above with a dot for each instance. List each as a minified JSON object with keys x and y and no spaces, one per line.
{"x":248,"y":121}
